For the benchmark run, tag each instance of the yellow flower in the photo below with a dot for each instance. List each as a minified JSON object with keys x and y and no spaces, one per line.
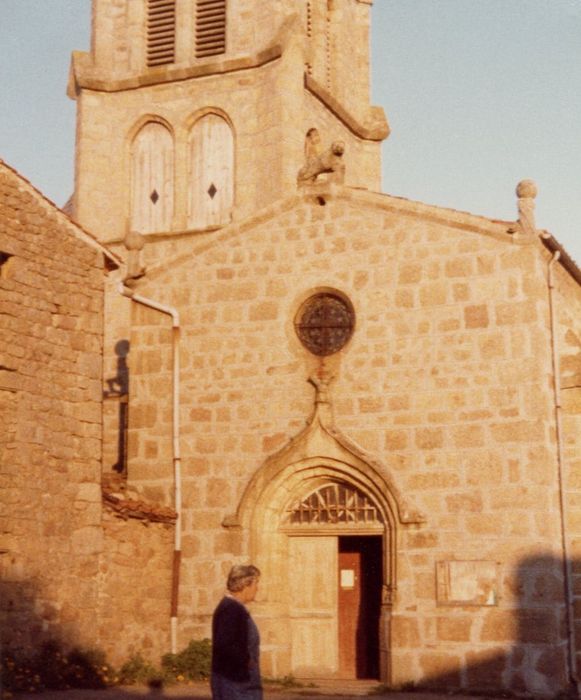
{"x":180,"y":677}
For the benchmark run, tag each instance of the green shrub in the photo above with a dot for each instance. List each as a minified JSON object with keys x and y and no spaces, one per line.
{"x":193,"y":663}
{"x":138,"y":670}
{"x":51,"y":668}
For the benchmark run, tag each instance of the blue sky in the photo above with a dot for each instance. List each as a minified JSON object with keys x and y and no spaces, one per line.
{"x":479,"y":94}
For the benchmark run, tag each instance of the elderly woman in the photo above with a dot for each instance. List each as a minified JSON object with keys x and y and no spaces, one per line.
{"x":235,"y":640}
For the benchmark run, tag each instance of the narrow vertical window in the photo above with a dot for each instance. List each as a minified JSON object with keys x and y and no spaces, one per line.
{"x":152,"y":165}
{"x":210,"y":27}
{"x":161,"y":30}
{"x":211,"y":172}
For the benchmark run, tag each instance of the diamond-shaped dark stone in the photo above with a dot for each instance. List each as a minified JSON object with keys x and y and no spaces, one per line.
{"x":212,"y":191}
{"x":154,"y":196}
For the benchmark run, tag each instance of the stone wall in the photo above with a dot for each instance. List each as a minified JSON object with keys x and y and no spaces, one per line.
{"x":135,"y":588}
{"x":568,"y":344}
{"x":444,"y":382}
{"x":120,"y":38}
{"x":265,"y":165}
{"x":51,"y":303}
{"x":447,"y":384}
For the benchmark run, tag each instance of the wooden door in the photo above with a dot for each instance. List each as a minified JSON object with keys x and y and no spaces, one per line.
{"x":360,"y":580}
{"x":313,"y":606}
{"x":349,"y":611}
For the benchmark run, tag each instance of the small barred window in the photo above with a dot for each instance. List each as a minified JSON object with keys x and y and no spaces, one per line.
{"x":325,"y":323}
{"x":210,"y":27}
{"x":161,"y":30}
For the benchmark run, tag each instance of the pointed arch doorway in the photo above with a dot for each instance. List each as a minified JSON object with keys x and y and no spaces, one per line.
{"x":335,"y":546}
{"x":309,"y":507}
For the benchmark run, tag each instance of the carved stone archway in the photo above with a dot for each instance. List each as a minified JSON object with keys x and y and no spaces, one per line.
{"x":319,"y":457}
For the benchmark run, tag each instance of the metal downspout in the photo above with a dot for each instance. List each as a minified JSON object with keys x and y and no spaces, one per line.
{"x":560,"y":462}
{"x":177,"y":554}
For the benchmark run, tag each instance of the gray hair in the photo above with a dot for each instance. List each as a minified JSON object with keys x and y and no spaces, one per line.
{"x":241,"y":576}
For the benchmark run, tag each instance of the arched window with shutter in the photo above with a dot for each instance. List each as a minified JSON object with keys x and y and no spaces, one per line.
{"x":211,"y":172}
{"x":152,"y":172}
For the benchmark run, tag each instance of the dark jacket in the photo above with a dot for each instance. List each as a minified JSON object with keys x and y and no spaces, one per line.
{"x":230,"y":654}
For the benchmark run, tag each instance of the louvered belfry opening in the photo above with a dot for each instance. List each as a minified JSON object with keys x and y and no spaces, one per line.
{"x":161,"y":31}
{"x":210,"y":27}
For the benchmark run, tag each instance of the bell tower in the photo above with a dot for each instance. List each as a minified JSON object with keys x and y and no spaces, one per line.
{"x":194,"y":113}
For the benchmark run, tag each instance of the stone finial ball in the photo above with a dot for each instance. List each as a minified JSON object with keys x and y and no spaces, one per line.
{"x":526,"y":188}
{"x":134,"y":240}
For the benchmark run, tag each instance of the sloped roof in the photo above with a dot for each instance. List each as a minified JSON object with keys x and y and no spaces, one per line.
{"x":78,"y":231}
{"x":501,"y":230}
{"x":553,"y":245}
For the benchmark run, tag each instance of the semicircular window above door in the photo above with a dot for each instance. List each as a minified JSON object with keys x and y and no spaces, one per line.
{"x":333,"y":504}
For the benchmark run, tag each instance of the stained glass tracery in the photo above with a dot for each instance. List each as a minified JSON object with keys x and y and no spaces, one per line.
{"x":325,"y":323}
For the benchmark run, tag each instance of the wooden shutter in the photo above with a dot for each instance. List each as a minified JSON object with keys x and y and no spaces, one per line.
{"x":161,"y":29}
{"x":152,"y":179}
{"x":210,"y":27}
{"x":211,"y":172}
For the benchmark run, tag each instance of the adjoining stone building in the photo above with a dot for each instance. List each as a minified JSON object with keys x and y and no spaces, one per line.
{"x":375,"y":400}
{"x":52,"y":280}
{"x":64,"y":552}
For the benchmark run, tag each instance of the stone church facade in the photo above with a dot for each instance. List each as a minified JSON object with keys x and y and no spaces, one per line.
{"x":374,"y":400}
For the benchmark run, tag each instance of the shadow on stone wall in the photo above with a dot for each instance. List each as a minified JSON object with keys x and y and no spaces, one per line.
{"x":35,"y":654}
{"x":21,"y":627}
{"x":118,"y":388}
{"x":538,"y":661}
{"x":38,"y":653}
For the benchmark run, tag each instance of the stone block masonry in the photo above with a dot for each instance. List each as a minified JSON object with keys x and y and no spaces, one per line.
{"x":444,"y":381}
{"x":451,"y":414}
{"x":51,"y":326}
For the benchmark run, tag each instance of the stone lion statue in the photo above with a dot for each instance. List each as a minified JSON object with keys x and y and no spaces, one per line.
{"x":318,"y":163}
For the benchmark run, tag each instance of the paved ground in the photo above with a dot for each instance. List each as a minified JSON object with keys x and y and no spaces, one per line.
{"x":346,"y":690}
